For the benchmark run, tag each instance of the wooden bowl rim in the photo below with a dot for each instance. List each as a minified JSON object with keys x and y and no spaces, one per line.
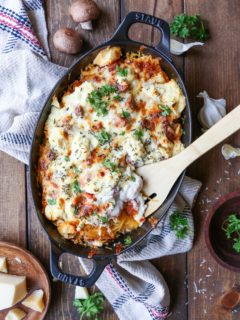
{"x":32,"y":257}
{"x":208,"y":220}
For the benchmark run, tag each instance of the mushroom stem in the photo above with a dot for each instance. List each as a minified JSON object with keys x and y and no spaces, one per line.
{"x":87,"y":25}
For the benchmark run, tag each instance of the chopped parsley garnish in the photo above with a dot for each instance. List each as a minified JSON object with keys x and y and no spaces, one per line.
{"x":128,"y":240}
{"x":179,"y":224}
{"x":139,"y":133}
{"x":103,"y":137}
{"x":122,"y":72}
{"x":66,"y":158}
{"x":103,"y":219}
{"x":133,"y":178}
{"x":118,"y":97}
{"x":75,"y":209}
{"x":51,"y":202}
{"x":122,"y":133}
{"x":231,"y":227}
{"x":165,"y":110}
{"x":76,"y":187}
{"x":125,"y":114}
{"x":110,"y":165}
{"x":96,"y":99}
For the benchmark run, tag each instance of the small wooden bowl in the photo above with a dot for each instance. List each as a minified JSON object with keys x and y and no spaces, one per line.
{"x":22,"y":263}
{"x":219,"y":246}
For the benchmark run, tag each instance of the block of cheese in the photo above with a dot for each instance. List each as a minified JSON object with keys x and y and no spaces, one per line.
{"x":12,"y":289}
{"x":35,"y":301}
{"x":81,"y":293}
{"x":3,"y":265}
{"x":15,"y":314}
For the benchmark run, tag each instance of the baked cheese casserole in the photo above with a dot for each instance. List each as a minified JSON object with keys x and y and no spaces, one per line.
{"x":124,"y":112}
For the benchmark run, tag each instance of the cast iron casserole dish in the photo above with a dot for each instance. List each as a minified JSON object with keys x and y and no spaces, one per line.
{"x":59,"y":245}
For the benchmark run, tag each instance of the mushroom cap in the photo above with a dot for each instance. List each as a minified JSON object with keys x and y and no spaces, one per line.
{"x":67,"y":40}
{"x":84,"y":10}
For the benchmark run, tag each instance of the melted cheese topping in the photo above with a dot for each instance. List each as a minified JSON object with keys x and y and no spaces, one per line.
{"x":121,"y":114}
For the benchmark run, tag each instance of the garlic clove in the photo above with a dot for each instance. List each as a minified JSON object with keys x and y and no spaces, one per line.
{"x":229,"y":152}
{"x":179,"y":48}
{"x":212,"y":111}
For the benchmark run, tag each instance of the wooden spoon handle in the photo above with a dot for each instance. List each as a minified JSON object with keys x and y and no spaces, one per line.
{"x":220,"y":131}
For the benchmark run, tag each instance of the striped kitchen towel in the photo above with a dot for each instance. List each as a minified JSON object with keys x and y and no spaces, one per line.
{"x":133,"y":286}
{"x":27,"y":76}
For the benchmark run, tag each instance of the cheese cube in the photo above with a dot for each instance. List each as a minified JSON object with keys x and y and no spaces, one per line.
{"x":81,"y":293}
{"x":3,"y":265}
{"x":12,"y":289}
{"x":15,"y":314}
{"x":35,"y":301}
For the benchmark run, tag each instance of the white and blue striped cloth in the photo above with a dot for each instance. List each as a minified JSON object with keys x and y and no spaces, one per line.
{"x":133,"y":286}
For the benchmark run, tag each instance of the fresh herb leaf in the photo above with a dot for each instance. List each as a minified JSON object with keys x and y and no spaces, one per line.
{"x":133,"y":178}
{"x":236,"y":245}
{"x":122,"y":72}
{"x":66,"y":158}
{"x":51,"y":202}
{"x":118,"y":97}
{"x":103,"y":137}
{"x":125,"y":114}
{"x":122,"y":133}
{"x":104,"y":219}
{"x":187,"y":26}
{"x":165,"y":110}
{"x":139,"y":133}
{"x":128,"y":240}
{"x":110,"y":165}
{"x":179,"y":224}
{"x":76,"y":187}
{"x":95,"y":98}
{"x":91,"y":306}
{"x":75,"y":208}
{"x":231,"y":227}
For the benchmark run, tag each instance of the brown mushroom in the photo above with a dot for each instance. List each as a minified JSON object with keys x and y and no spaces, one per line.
{"x":83,"y":12}
{"x":67,"y":40}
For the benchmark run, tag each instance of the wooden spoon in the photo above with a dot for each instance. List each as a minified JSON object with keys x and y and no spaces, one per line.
{"x":160,"y":177}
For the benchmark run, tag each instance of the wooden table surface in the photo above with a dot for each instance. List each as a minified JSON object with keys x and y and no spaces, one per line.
{"x":215,"y":68}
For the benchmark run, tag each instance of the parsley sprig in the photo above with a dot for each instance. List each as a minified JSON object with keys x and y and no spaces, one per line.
{"x":125,"y":114}
{"x":103,"y":137}
{"x":231,"y":226}
{"x":179,"y":224}
{"x":76,"y":187}
{"x":96,"y":99}
{"x":128,"y":240}
{"x":91,"y":306}
{"x":110,"y":165}
{"x":165,"y":110}
{"x":51,"y":202}
{"x":122,"y":72}
{"x":187,"y":26}
{"x":138,"y":134}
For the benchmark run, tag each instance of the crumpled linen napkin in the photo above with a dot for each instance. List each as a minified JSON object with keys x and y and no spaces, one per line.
{"x":134,"y":287}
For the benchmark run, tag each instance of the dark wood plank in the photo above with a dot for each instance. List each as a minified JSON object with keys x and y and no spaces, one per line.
{"x":57,"y":16}
{"x":173,"y":268}
{"x":12,"y":201}
{"x":213,"y":68}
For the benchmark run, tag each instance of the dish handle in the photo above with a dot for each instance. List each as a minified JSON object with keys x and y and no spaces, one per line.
{"x":82,"y":281}
{"x":121,"y":34}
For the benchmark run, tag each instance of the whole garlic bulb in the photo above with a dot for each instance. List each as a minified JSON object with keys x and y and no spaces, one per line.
{"x":229,"y":152}
{"x":212,"y":111}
